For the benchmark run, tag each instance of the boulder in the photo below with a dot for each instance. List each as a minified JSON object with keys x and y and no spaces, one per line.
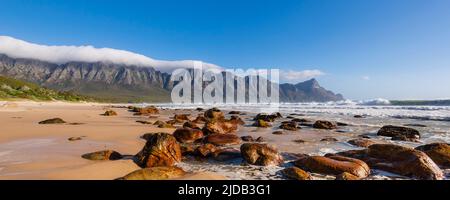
{"x":205,"y":150}
{"x":399,"y":160}
{"x":260,"y":139}
{"x":181,"y":117}
{"x":222,"y":139}
{"x":103,"y":155}
{"x":199,"y":120}
{"x":110,"y":113}
{"x":161,"y":149}
{"x":226,"y":154}
{"x":188,"y":149}
{"x":296,"y":174}
{"x":189,"y":124}
{"x":234,"y":112}
{"x":438,"y":152}
{"x":268,"y":118}
{"x":237,"y":120}
{"x":155,"y":173}
{"x":159,"y":122}
{"x":187,"y":135}
{"x":214,"y":114}
{"x":400,"y":133}
{"x":145,"y":111}
{"x":361,"y":142}
{"x":247,"y":138}
{"x":260,"y":154}
{"x":262,"y":124}
{"x":290,"y":126}
{"x":53,"y":121}
{"x":320,"y":124}
{"x":219,"y":127}
{"x":333,"y":165}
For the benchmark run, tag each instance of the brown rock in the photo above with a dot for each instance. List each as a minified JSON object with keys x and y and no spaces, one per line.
{"x":155,"y":173}
{"x":206,"y":150}
{"x":290,"y":126}
{"x":161,"y":149}
{"x":53,"y":121}
{"x":226,"y":154}
{"x":199,"y":120}
{"x":347,"y":177}
{"x":247,"y":138}
{"x":187,"y":135}
{"x":234,"y":112}
{"x":260,"y":154}
{"x":74,"y":139}
{"x":159,"y":122}
{"x":165,"y":125}
{"x":296,"y":174}
{"x":268,"y":118}
{"x":299,"y":141}
{"x":324,"y":125}
{"x":214,"y":114}
{"x":237,"y":120}
{"x":190,"y":125}
{"x":438,"y":152}
{"x":333,"y":165}
{"x":301,"y":120}
{"x":222,"y":139}
{"x":110,"y":113}
{"x":143,"y":122}
{"x":361,"y":142}
{"x":219,"y":127}
{"x":329,"y":139}
{"x":278,"y":133}
{"x":400,"y":133}
{"x":181,"y":117}
{"x":103,"y":155}
{"x":260,"y":139}
{"x":187,"y":149}
{"x":399,"y":160}
{"x":262,"y":124}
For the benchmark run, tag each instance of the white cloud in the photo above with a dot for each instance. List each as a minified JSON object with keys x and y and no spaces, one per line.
{"x":291,"y":76}
{"x":62,"y":54}
{"x":366,"y":78}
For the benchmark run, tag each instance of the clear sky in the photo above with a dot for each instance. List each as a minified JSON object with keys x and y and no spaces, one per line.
{"x":394,"y":49}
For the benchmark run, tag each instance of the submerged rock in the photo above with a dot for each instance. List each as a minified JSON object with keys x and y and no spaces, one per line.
{"x":333,"y":165}
{"x":155,"y":173}
{"x":268,"y":118}
{"x":161,"y":149}
{"x":290,"y":126}
{"x":103,"y":155}
{"x":329,"y":139}
{"x":53,"y":121}
{"x":262,"y":124}
{"x":260,"y":154}
{"x":400,"y":133}
{"x":438,"y":152}
{"x":361,"y":142}
{"x":399,"y":160}
{"x":324,"y":125}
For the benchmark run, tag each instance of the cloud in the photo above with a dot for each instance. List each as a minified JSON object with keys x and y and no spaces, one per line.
{"x":62,"y":54}
{"x":366,"y":78}
{"x":291,"y":76}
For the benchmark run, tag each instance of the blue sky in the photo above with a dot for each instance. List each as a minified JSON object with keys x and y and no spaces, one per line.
{"x":394,"y":49}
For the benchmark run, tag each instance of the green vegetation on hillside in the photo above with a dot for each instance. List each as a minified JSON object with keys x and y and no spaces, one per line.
{"x":15,"y":89}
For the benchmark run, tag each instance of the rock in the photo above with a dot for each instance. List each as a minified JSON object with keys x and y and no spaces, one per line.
{"x":226,"y":154}
{"x":205,"y":150}
{"x":53,"y":121}
{"x":103,"y":155}
{"x":361,"y":142}
{"x":307,"y":124}
{"x":399,"y":160}
{"x":190,"y":125}
{"x":181,"y":117}
{"x":187,"y":149}
{"x":222,"y":139}
{"x":214,"y":114}
{"x":199,"y":120}
{"x":110,"y":113}
{"x":299,"y":141}
{"x":347,"y":177}
{"x":219,"y":127}
{"x":268,"y":118}
{"x":234,"y":112}
{"x":416,"y":125}
{"x":174,"y":121}
{"x":199,"y":109}
{"x":143,"y":122}
{"x":155,"y":173}
{"x":262,"y":124}
{"x":290,"y":126}
{"x":333,"y":165}
{"x":145,"y":111}
{"x":296,"y":174}
{"x":341,"y":124}
{"x":324,"y":125}
{"x":329,"y":139}
{"x":161,"y":149}
{"x":237,"y":120}
{"x":74,"y":139}
{"x":260,"y":139}
{"x":358,"y":116}
{"x":260,"y":154}
{"x":301,"y":120}
{"x":165,"y":125}
{"x":278,"y":133}
{"x":247,"y":138}
{"x":187,"y":135}
{"x":400,"y":133}
{"x":159,"y":122}
{"x":438,"y":152}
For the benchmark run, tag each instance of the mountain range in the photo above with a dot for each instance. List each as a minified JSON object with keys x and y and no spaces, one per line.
{"x":127,"y":83}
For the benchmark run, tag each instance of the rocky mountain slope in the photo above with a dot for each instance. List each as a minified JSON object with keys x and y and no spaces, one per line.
{"x":121,"y":83}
